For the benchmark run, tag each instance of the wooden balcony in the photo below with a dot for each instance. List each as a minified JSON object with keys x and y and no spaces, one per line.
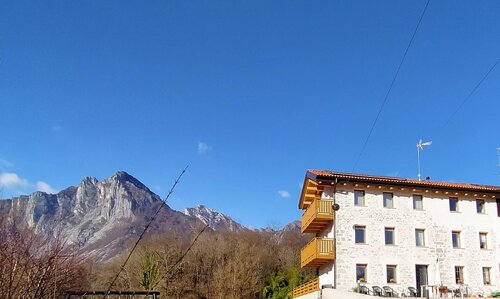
{"x":318,"y":215}
{"x":310,"y":191}
{"x":306,"y":288}
{"x":318,"y":252}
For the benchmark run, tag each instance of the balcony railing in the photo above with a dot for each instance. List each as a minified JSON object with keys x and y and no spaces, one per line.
{"x":306,"y":288}
{"x":317,"y":216}
{"x":318,"y":252}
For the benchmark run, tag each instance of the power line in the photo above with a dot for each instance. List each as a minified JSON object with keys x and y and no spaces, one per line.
{"x":390,"y":86}
{"x":180,"y":258}
{"x":144,"y":231}
{"x":471,"y":92}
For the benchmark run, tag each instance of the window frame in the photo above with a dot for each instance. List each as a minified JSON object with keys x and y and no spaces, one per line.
{"x":365,"y":270}
{"x":483,"y":210}
{"x":393,"y":230}
{"x":454,"y":199}
{"x":459,"y":243}
{"x":423,"y":237}
{"x":392,"y":200}
{"x":395,"y":269}
{"x":415,"y":201}
{"x":485,"y":234}
{"x":459,"y":275}
{"x":363,"y":204}
{"x":363,"y":227}
{"x":488,"y":272}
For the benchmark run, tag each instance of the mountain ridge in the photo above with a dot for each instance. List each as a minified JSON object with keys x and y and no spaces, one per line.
{"x":101,"y":217}
{"x":109,"y":212}
{"x":215,"y":220}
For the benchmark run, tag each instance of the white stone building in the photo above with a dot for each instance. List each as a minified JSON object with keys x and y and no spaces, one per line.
{"x":399,"y":233}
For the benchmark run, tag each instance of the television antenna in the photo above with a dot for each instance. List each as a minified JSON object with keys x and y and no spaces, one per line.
{"x":420,"y":147}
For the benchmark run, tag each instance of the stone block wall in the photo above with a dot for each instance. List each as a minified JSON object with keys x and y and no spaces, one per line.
{"x":438,"y":253}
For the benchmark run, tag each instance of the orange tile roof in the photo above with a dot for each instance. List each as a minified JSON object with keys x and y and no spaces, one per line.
{"x":355,"y":177}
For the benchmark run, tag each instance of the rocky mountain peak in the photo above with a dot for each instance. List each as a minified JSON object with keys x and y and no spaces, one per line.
{"x":88,"y":181}
{"x":215,"y":220}
{"x":294,"y":226}
{"x":93,"y":212}
{"x":124,"y":178}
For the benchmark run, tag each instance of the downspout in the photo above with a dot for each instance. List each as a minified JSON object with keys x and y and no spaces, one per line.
{"x":335,"y":236}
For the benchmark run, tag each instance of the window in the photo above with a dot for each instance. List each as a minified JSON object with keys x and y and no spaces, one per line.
{"x":359,"y":234}
{"x":361,"y":272}
{"x":498,"y":207}
{"x":420,"y":237}
{"x":486,"y":275}
{"x":459,"y":274}
{"x":418,"y":203}
{"x":388,"y":200}
{"x":391,"y":274}
{"x":455,"y":239}
{"x":389,"y":236}
{"x":359,"y":197}
{"x":453,"y":204}
{"x":483,"y":240}
{"x":480,"y":206}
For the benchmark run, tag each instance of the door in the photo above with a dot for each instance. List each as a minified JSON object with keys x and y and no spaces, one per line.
{"x":421,"y":275}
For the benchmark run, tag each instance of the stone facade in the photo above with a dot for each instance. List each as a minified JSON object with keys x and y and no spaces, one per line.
{"x":437,"y":254}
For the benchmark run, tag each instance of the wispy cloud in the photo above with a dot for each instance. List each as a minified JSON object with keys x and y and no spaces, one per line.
{"x":203,"y":148}
{"x":56,"y":128}
{"x":4,"y":164}
{"x":14,"y":185}
{"x":12,"y":180}
{"x":284,"y":193}
{"x":44,"y":187}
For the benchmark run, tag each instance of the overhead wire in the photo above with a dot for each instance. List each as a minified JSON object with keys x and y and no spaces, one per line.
{"x":144,"y":231}
{"x":384,"y":102}
{"x":181,"y":258}
{"x":440,"y":131}
{"x":473,"y":90}
{"x":386,"y":97}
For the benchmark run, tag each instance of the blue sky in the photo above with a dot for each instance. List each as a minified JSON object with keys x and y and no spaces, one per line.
{"x":250,"y":94}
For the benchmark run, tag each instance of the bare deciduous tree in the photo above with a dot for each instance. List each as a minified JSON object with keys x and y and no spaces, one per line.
{"x":33,"y":267}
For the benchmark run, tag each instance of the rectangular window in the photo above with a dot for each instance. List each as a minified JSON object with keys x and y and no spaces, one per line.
{"x":453,"y":204}
{"x":391,"y":274}
{"x":459,"y":274}
{"x":359,"y":234}
{"x":480,"y":206}
{"x":388,"y":200}
{"x":389,"y":236}
{"x":420,"y":237}
{"x":359,"y":197}
{"x":418,"y":203}
{"x":455,"y":239}
{"x":486,"y":275}
{"x":361,"y":273}
{"x":483,"y":240}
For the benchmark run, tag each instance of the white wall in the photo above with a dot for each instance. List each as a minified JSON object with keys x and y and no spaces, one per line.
{"x":438,"y":223}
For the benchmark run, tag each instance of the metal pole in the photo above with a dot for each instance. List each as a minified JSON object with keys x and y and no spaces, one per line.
{"x":498,"y":149}
{"x":418,"y":159}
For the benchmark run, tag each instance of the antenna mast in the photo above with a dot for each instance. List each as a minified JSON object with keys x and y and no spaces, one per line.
{"x":420,"y":147}
{"x":498,"y":149}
